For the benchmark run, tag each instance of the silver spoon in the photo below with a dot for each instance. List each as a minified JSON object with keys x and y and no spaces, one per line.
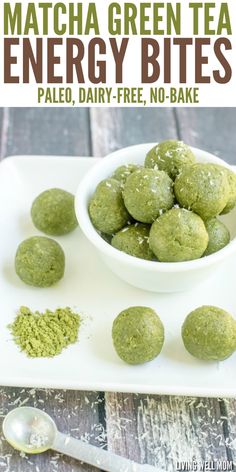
{"x":33,"y":431}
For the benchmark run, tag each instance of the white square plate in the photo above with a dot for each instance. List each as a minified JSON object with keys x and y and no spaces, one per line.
{"x":92,"y":364}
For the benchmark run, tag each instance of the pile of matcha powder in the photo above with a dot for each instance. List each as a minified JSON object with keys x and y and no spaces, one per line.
{"x":45,"y":334}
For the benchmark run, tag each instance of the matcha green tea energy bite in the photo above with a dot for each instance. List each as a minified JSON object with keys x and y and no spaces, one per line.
{"x":209,"y":333}
{"x":147,"y":194}
{"x":219,"y":236}
{"x":53,"y":212}
{"x":231,"y":176}
{"x":40,"y":261}
{"x":134,"y":240}
{"x":171,"y":156}
{"x":202,"y":188}
{"x":178,"y":235}
{"x":138,"y":335}
{"x":122,"y":173}
{"x":106,"y":208}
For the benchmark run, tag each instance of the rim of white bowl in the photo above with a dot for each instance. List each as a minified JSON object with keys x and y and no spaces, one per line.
{"x":106,"y":248}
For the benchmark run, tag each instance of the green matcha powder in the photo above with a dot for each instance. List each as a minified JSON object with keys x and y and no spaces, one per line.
{"x":45,"y":334}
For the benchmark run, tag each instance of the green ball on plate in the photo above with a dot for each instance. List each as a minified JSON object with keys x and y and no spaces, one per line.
{"x":138,"y":335}
{"x":53,"y":212}
{"x":40,"y":261}
{"x":209,"y":333}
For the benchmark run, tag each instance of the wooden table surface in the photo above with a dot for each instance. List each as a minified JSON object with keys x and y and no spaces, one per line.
{"x":159,"y":430}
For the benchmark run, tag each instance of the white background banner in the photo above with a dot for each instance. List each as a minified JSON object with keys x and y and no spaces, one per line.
{"x":175,"y":76}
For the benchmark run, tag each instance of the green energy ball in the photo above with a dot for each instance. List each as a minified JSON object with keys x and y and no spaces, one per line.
{"x":106,"y":237}
{"x":123,"y":172}
{"x":171,"y":156}
{"x":134,"y":240}
{"x":138,"y":335}
{"x":178,"y":235}
{"x":40,"y":261}
{"x":147,"y":194}
{"x":202,"y":188}
{"x":219,"y":236}
{"x":209,"y":333}
{"x":106,"y":208}
{"x":53,"y":212}
{"x":231,"y":176}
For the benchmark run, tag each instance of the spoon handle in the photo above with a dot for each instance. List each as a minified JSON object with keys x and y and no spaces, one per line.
{"x":97,"y":457}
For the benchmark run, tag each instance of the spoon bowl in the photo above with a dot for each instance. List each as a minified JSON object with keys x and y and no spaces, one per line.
{"x":32,"y":431}
{"x":29,"y":430}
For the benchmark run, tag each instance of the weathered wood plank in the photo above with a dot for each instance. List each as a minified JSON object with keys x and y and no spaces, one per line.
{"x":112,"y":128}
{"x":210,"y":129}
{"x":165,"y":430}
{"x":228,"y":410}
{"x":45,"y":131}
{"x":1,"y":131}
{"x":75,"y":413}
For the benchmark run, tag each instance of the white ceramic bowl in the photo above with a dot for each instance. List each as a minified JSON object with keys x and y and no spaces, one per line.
{"x":147,"y":275}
